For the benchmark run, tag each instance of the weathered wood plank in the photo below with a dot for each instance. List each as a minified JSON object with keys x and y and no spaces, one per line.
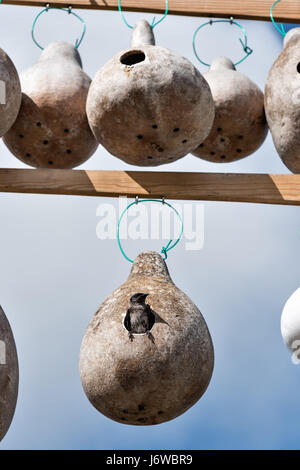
{"x":286,"y":10}
{"x":255,"y":188}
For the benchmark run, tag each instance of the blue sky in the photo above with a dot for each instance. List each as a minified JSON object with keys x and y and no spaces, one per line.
{"x":55,"y":273}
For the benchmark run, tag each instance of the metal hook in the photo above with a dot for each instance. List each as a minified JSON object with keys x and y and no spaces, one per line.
{"x":67,"y":10}
{"x":281,"y":29}
{"x":244,"y":43}
{"x":170,"y":244}
{"x":153,"y":24}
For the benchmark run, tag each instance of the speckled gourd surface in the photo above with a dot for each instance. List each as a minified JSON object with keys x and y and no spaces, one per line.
{"x":139,"y":382}
{"x":240,"y":126}
{"x":52,"y":130}
{"x":10,"y":93}
{"x":282,"y":101}
{"x":148,"y":105}
{"x":9,"y":375}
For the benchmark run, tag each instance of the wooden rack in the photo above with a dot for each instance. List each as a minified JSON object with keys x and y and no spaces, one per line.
{"x":286,"y":11}
{"x":258,"y":188}
{"x":255,"y":188}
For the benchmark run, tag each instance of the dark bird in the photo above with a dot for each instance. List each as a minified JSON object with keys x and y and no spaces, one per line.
{"x":139,"y":317}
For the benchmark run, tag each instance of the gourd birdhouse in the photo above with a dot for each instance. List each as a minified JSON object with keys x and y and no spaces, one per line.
{"x":240,"y":126}
{"x":282,"y":101}
{"x":9,"y":375}
{"x":52,"y":130}
{"x":147,"y":355}
{"x":290,"y":321}
{"x":148,"y":105}
{"x":10,"y":93}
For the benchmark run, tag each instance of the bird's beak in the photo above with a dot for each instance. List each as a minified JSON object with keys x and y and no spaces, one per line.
{"x":143,"y":296}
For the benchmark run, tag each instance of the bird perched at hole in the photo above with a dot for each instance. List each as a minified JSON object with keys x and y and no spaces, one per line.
{"x":139,"y":317}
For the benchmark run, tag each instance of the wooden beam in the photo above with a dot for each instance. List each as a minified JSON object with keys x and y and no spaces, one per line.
{"x":255,"y":188}
{"x":285,"y":11}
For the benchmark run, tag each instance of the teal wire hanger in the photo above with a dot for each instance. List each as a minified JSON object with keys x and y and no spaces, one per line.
{"x":153,"y":24}
{"x":66,"y":10}
{"x":281,"y":29}
{"x":244,"y":42}
{"x":165,"y":249}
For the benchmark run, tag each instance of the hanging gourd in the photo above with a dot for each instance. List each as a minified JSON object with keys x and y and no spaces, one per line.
{"x":10,"y":93}
{"x":147,"y":355}
{"x":282,"y":101}
{"x":240,"y":126}
{"x":148,"y":105}
{"x":52,"y":130}
{"x":290,"y":322}
{"x":9,"y":375}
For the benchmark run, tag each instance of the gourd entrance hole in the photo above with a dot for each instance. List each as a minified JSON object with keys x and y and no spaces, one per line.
{"x":132,"y":57}
{"x":298,"y":67}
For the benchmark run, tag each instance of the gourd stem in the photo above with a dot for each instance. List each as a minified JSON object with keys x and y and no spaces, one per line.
{"x":142,"y":35}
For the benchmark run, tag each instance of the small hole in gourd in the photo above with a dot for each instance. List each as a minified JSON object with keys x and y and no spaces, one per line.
{"x":239,"y":150}
{"x":150,"y":158}
{"x":132,"y":57}
{"x":212,"y":153}
{"x":241,"y":137}
{"x":161,"y":149}
{"x":69,"y":151}
{"x":45,"y":142}
{"x":50,"y":162}
{"x":222,"y":140}
{"x":125,"y":411}
{"x":223,"y":157}
{"x":219,"y":129}
{"x":39,"y":124}
{"x":21,"y":136}
{"x":139,"y":137}
{"x":141,"y":407}
{"x":28,"y":155}
{"x":160,"y":412}
{"x":66,"y":130}
{"x":124,"y":419}
{"x":298,"y":67}
{"x":176,"y":129}
{"x":155,"y":126}
{"x":184,"y":141}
